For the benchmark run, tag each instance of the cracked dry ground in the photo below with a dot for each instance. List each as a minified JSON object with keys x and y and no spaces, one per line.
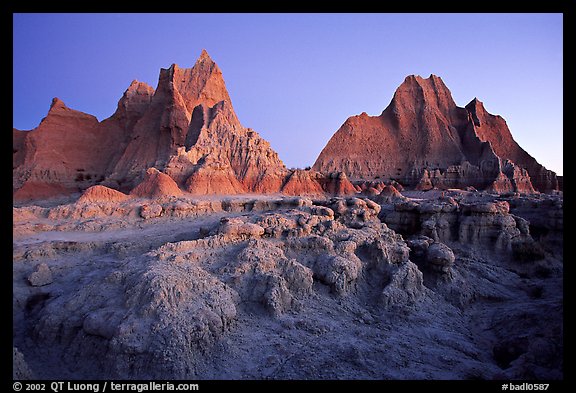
{"x":288,"y":288}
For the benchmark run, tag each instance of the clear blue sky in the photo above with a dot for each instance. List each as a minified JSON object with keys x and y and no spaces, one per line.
{"x":295,"y":78}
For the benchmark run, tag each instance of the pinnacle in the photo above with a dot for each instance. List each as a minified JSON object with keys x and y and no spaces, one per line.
{"x":57,"y":102}
{"x":475,"y":103}
{"x":204,"y":56}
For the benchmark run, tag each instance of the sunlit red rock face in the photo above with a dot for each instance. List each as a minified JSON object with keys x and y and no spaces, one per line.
{"x":155,"y":185}
{"x":217,"y":148}
{"x":424,"y":139}
{"x":69,"y":151}
{"x":186,"y":128}
{"x":102,"y":194}
{"x":302,"y":182}
{"x":195,"y":134}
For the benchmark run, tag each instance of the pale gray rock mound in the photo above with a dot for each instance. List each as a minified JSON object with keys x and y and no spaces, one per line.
{"x":406,"y":287}
{"x":440,"y":257}
{"x":338,"y":272}
{"x":263,"y":274}
{"x":480,"y":224}
{"x":42,"y":275}
{"x":236,"y":228}
{"x":135,"y":320}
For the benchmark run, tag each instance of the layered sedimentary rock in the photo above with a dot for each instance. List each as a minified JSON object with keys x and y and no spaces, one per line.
{"x":70,"y":151}
{"x":58,"y":156}
{"x":183,"y":127}
{"x":485,"y":224}
{"x":424,"y":139}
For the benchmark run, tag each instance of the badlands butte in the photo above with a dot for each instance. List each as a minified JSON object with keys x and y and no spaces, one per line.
{"x":168,"y":241}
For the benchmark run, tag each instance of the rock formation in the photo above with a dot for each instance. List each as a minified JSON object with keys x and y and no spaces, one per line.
{"x":135,"y":279}
{"x":239,"y":286}
{"x":155,"y":185}
{"x":59,"y":156}
{"x":189,"y":294}
{"x":190,"y":117}
{"x":495,"y":130}
{"x":424,"y":139}
{"x":102,"y":194}
{"x":485,"y":225}
{"x":217,"y":140}
{"x":337,"y":183}
{"x":186,"y":128}
{"x":301,"y":182}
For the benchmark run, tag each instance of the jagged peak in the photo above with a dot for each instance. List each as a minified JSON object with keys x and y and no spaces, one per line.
{"x":476,"y":111}
{"x":432,"y":90}
{"x":437,"y":81}
{"x":418,"y":78}
{"x":203,"y":59}
{"x":139,"y":87}
{"x":202,"y":83}
{"x":59,"y":109}
{"x":57,"y":103}
{"x":433,"y":81}
{"x":204,"y":56}
{"x":173,"y":67}
{"x":475,"y":104}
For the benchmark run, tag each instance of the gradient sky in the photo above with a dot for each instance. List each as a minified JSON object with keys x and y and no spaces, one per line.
{"x":295,"y":78}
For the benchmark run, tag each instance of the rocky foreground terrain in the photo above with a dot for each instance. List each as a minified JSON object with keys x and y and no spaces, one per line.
{"x":426,"y":285}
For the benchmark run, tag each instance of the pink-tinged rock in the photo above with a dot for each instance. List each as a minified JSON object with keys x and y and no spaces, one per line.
{"x":156,"y":184}
{"x":102,"y":194}
{"x":301,"y":182}
{"x":423,"y":139}
{"x":213,"y":179}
